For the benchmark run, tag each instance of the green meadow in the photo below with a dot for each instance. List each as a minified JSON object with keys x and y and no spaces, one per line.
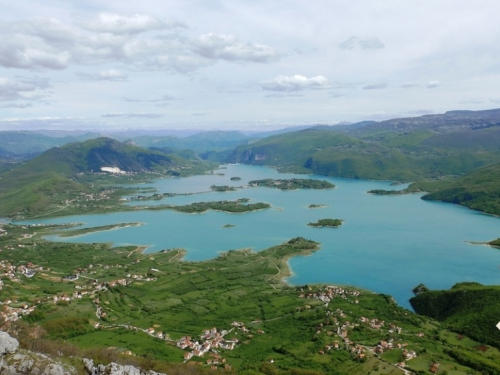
{"x":288,"y":329}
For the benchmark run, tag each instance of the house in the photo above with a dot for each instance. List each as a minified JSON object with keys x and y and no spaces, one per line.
{"x":434,"y":368}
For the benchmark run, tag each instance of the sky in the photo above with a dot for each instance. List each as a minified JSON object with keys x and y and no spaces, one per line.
{"x":246,"y":65}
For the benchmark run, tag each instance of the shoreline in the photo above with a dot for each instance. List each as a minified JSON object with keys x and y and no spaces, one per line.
{"x":98,"y":229}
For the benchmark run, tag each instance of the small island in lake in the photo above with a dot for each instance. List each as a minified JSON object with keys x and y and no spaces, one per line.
{"x":222,"y":188}
{"x":388,"y":192}
{"x":228,"y":226}
{"x":235,"y":178}
{"x":317,"y":205}
{"x":293,"y":183}
{"x":237,"y":206}
{"x":327,"y":223}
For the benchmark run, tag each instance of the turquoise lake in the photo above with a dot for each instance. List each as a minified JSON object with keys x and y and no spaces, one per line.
{"x":387,"y":244}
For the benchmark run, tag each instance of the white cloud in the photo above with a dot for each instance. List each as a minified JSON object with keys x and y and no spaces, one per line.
{"x":294,"y":83}
{"x":354,"y":42}
{"x":118,"y":24}
{"x":227,"y":47}
{"x":432,"y":84}
{"x":45,"y":43}
{"x":12,"y":90}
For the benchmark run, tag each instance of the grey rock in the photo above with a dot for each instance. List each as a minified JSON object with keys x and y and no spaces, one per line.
{"x":114,"y":369}
{"x":8,"y":344}
{"x":26,"y":362}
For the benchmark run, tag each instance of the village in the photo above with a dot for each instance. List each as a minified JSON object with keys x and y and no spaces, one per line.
{"x":338,"y":332}
{"x":13,"y":310}
{"x":358,"y":351}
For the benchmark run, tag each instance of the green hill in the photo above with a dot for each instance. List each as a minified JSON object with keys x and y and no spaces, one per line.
{"x":479,"y":190}
{"x":403,"y":157}
{"x":468,"y":308}
{"x":49,"y":180}
{"x":199,"y":143}
{"x":432,"y":147}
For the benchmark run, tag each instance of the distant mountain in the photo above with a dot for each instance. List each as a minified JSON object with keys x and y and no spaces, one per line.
{"x":30,"y":144}
{"x":452,"y":121}
{"x":429,"y":146}
{"x":199,"y":143}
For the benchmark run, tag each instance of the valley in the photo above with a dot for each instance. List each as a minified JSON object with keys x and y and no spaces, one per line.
{"x":164,"y":256}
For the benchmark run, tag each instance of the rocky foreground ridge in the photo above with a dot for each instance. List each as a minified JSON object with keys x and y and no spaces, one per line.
{"x":15,"y":361}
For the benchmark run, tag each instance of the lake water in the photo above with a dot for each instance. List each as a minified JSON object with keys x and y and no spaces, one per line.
{"x":387,"y":244}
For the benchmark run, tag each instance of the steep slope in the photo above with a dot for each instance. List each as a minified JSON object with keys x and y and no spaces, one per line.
{"x":468,"y":308}
{"x":479,"y":190}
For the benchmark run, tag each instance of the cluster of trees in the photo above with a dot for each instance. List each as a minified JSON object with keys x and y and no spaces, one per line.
{"x":332,"y":223}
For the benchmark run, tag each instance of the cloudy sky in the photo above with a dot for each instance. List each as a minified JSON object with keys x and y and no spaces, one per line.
{"x":252,"y":65}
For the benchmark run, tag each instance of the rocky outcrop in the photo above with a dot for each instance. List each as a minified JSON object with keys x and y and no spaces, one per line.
{"x":26,"y":362}
{"x":8,"y":344}
{"x":115,"y":369}
{"x":15,"y":361}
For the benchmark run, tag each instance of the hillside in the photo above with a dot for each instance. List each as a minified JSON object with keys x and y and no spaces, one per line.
{"x":151,"y":308}
{"x":479,"y":190}
{"x":432,"y":147}
{"x":467,"y":308}
{"x":92,"y":155}
{"x":57,"y":176}
{"x":331,"y":153}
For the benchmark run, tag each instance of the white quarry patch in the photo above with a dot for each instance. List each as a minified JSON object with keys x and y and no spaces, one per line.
{"x":113,"y":170}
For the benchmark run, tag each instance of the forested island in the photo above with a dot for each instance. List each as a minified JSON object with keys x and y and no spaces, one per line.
{"x":328,"y":223}
{"x":293,"y":183}
{"x":237,"y":206}
{"x":387,"y":192}
{"x":222,"y":188}
{"x":317,"y":205}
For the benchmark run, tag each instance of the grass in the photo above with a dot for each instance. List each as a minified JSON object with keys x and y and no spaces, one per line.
{"x":184,"y":298}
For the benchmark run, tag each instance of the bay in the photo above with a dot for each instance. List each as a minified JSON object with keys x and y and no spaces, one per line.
{"x":387,"y":244}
